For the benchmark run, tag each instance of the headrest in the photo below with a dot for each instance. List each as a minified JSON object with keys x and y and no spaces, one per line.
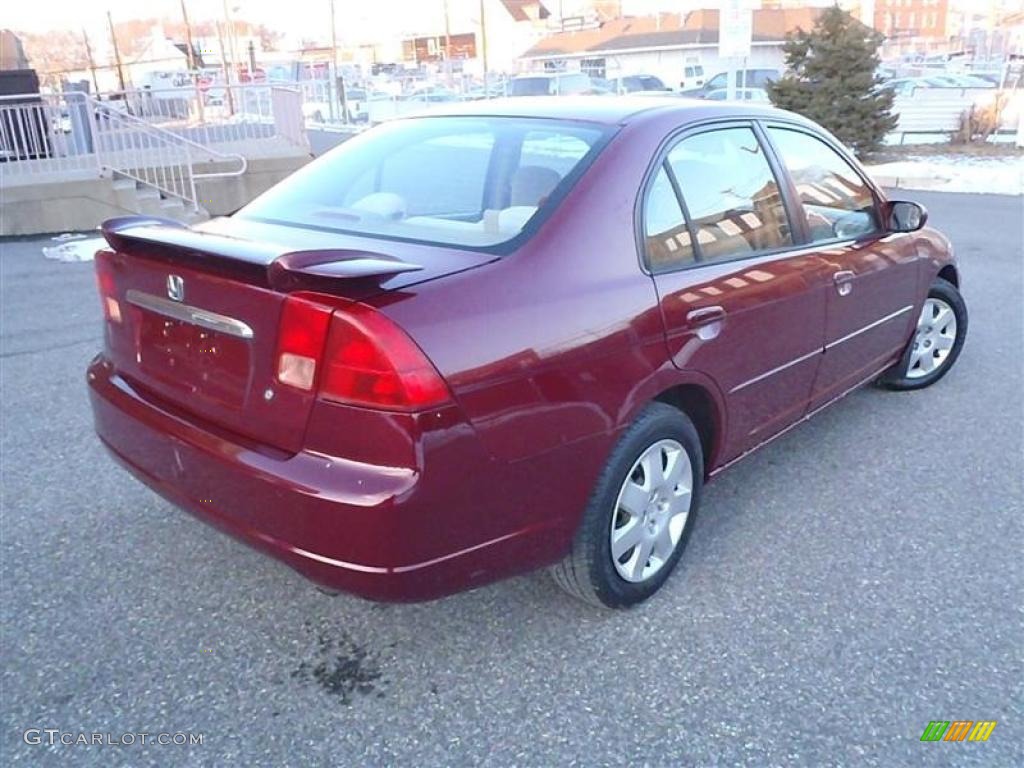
{"x":531,"y":184}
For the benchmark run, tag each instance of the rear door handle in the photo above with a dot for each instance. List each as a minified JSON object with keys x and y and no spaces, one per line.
{"x":705,"y":315}
{"x":707,"y":321}
{"x":843,"y":281}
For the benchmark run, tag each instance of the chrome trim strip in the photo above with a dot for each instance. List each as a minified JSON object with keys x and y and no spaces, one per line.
{"x":806,"y":417}
{"x":188,"y":314}
{"x":828,"y":346}
{"x":875,"y":324}
{"x":773,"y":371}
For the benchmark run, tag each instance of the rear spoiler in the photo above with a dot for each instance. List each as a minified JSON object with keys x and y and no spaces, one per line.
{"x":268,"y":263}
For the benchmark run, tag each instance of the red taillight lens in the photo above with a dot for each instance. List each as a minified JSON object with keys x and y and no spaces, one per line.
{"x":107,"y":287}
{"x":370,"y":361}
{"x":300,"y":341}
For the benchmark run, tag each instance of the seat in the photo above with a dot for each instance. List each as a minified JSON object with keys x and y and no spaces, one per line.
{"x":531,"y":185}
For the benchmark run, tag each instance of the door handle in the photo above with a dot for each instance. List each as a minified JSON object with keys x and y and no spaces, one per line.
{"x":705,"y":315}
{"x":707,"y":321}
{"x":843,"y":281}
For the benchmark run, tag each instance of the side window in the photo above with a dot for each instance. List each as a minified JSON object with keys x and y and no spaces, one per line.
{"x":835,"y":200}
{"x":666,"y":238}
{"x":731,"y":194}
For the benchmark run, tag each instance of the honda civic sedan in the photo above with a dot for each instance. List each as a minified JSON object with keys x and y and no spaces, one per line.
{"x":510,"y":335}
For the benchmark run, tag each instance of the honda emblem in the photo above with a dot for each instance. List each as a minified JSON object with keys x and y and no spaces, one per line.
{"x":175,"y":288}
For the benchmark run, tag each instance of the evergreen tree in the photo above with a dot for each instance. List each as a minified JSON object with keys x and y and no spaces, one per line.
{"x":831,"y":80}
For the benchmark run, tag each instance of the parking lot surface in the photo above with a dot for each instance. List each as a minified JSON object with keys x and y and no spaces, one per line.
{"x":856,"y":579}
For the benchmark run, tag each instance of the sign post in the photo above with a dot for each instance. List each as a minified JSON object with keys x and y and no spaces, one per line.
{"x":735,"y":30}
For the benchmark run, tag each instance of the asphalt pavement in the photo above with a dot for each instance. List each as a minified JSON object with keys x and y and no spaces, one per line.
{"x":856,"y":579}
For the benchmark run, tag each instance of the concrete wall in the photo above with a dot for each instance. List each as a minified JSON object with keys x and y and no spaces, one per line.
{"x":59,"y":206}
{"x":227,"y":194}
{"x":62,"y":205}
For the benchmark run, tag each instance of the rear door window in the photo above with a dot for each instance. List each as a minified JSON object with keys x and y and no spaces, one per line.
{"x":732,"y":196}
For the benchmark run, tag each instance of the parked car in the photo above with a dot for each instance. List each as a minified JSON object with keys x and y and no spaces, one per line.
{"x":746,"y":78}
{"x":405,"y":381}
{"x":561,"y":84}
{"x":742,"y":94}
{"x":638,"y":84}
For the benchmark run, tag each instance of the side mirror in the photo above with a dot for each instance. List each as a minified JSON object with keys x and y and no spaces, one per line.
{"x":905,"y":216}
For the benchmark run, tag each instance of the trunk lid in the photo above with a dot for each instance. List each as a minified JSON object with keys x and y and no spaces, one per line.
{"x":198,"y":310}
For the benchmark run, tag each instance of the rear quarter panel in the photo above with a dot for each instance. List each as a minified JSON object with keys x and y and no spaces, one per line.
{"x":543,"y":346}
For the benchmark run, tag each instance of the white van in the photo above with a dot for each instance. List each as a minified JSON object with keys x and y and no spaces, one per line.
{"x":693,"y":75}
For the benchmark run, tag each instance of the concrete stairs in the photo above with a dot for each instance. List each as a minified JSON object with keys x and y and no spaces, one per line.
{"x":136,"y":197}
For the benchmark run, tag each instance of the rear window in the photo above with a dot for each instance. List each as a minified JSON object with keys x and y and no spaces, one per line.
{"x":465,"y":181}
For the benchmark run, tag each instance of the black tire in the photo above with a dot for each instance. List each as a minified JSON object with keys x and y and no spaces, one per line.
{"x":588,"y":571}
{"x":897,"y":378}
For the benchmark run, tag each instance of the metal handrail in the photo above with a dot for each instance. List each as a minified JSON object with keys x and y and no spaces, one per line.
{"x":169,"y":136}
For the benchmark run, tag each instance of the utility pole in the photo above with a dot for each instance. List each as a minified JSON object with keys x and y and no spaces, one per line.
{"x":227,"y":72}
{"x":483,"y":47}
{"x":193,"y":68}
{"x":92,"y":63}
{"x":231,"y":37}
{"x":117,"y":53}
{"x":332,"y":81}
{"x":447,"y":44}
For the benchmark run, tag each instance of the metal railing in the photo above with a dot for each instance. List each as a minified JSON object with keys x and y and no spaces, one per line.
{"x":65,"y":134}
{"x":129,"y":146}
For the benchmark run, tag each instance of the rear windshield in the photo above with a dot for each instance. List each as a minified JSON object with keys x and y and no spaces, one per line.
{"x":466,"y":181}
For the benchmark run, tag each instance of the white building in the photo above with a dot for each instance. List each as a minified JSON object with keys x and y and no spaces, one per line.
{"x":663,"y":44}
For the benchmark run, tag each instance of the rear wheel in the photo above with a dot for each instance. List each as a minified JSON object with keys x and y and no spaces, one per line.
{"x":937,"y":341}
{"x":640,"y":515}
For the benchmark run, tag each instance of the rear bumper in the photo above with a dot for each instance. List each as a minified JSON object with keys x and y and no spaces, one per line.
{"x":385,"y":533}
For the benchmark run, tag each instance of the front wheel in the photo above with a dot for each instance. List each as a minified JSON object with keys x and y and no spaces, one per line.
{"x":936,"y":343}
{"x":640,"y":515}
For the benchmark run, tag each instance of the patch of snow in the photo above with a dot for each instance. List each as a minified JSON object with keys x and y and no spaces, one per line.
{"x":73,"y":247}
{"x":954,"y":173}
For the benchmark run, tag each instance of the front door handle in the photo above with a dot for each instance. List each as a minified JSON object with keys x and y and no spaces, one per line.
{"x":843,"y":281}
{"x":707,"y":321}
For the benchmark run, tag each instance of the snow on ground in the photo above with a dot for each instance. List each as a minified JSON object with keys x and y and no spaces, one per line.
{"x":954,"y":173}
{"x":73,"y":247}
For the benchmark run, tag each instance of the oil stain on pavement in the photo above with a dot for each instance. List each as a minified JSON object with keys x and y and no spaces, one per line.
{"x":342,"y":667}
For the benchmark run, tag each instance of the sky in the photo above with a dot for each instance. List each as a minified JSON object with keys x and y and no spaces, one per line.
{"x":298,"y":18}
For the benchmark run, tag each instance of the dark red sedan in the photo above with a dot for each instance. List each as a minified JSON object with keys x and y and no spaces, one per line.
{"x":512,"y":335}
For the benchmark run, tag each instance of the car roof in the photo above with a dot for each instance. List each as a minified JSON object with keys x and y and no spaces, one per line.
{"x":609,"y":110}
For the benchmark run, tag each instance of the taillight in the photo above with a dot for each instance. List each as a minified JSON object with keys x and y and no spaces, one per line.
{"x":354,"y":355}
{"x":370,"y":361}
{"x":300,"y":341}
{"x":107,"y":287}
